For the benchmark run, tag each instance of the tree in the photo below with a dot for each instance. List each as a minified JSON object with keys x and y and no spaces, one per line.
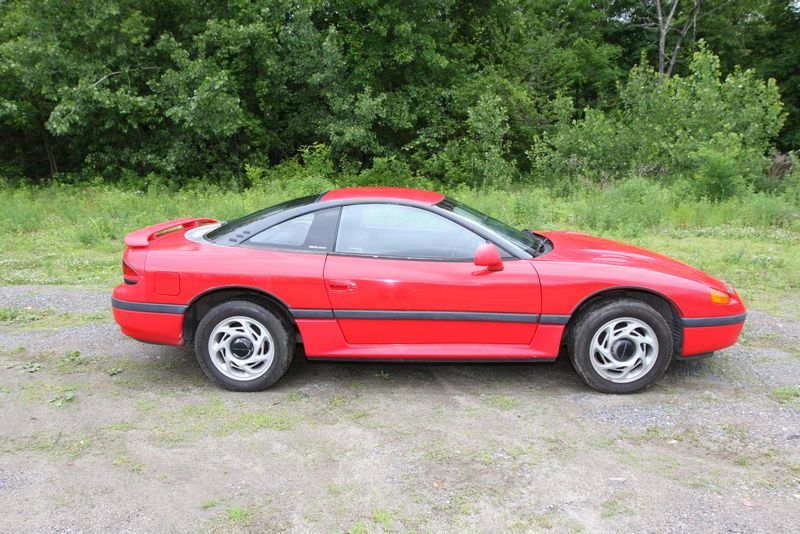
{"x":761,"y":35}
{"x":710,"y":129}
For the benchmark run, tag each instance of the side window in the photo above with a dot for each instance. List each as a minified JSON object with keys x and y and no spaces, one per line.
{"x":394,"y":231}
{"x":312,"y":232}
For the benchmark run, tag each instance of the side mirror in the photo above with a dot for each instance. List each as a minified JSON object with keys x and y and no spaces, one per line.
{"x":488,"y":256}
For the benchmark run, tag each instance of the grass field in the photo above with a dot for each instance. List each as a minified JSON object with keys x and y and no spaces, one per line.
{"x":73,"y":234}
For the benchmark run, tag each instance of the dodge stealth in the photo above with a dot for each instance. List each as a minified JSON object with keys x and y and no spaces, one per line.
{"x":393,"y":274}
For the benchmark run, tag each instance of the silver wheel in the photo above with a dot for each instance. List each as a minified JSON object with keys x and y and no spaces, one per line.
{"x":623,"y":350}
{"x":241,"y":348}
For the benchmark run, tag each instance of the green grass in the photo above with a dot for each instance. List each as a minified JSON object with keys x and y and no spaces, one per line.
{"x":129,"y":464}
{"x":54,"y":394}
{"x":57,"y":445}
{"x":48,"y":319}
{"x":238,"y":515}
{"x":210,"y":503}
{"x":502,"y":402}
{"x":73,"y":235}
{"x":219,"y":418}
{"x":786,"y":395}
{"x":617,"y":506}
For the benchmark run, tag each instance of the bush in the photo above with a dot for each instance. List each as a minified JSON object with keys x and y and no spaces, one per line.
{"x":722,"y":168}
{"x":311,"y":172}
{"x":712,"y":131}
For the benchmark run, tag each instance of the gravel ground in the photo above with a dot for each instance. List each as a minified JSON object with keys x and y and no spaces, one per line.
{"x":101,"y":433}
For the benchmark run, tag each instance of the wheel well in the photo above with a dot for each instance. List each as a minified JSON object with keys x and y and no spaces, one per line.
{"x":204,"y":304}
{"x":657,"y":302}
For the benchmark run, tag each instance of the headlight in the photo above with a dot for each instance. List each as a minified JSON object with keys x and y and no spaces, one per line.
{"x":729,"y":288}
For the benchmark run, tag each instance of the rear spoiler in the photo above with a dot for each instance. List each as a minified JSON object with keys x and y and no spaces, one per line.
{"x":142,"y":237}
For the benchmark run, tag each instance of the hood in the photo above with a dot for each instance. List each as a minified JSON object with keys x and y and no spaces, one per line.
{"x":575,"y":247}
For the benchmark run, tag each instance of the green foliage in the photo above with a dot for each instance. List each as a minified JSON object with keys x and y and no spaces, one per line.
{"x":62,"y":397}
{"x":479,"y":159}
{"x":389,"y":171}
{"x":631,"y":207}
{"x":129,"y":90}
{"x":299,"y":176}
{"x":158,"y":95}
{"x":722,"y":168}
{"x":785,"y":395}
{"x":714,"y":132}
{"x":761,"y":34}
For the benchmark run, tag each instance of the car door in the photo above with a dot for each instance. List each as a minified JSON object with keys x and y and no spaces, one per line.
{"x":405,"y":275}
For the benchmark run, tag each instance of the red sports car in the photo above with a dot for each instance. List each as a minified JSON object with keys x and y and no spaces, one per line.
{"x":394,"y":274}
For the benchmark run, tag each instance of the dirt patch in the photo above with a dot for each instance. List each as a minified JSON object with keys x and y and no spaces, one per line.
{"x":101,"y":433}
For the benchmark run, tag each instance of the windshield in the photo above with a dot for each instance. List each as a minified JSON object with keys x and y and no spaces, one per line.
{"x":231,"y":226}
{"x":527,"y":240}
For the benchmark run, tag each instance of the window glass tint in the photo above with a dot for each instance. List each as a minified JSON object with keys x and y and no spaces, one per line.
{"x":403,"y":232}
{"x":232,"y":226}
{"x":312,"y":231}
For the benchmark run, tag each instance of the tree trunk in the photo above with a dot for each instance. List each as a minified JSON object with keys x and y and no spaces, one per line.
{"x":49,"y":151}
{"x":691,"y":20}
{"x":665,"y":21}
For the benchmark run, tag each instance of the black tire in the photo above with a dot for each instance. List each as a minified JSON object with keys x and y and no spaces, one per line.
{"x":620,"y":346}
{"x":252,"y":346}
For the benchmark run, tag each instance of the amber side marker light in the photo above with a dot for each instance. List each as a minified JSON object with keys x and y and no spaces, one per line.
{"x":719,"y":297}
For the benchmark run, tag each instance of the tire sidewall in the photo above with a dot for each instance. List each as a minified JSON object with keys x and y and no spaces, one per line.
{"x":593,"y":319}
{"x":283,"y":344}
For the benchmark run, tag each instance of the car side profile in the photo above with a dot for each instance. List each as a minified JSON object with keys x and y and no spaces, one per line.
{"x":395,"y":274}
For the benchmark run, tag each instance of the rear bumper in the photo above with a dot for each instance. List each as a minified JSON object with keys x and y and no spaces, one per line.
{"x":151,"y":323}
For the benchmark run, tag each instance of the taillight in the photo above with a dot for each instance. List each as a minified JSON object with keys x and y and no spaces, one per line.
{"x":133,"y":263}
{"x":129,"y":275}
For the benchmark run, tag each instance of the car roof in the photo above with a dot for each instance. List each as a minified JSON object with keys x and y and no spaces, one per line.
{"x":385,"y":193}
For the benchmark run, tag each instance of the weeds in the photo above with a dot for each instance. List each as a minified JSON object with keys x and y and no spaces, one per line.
{"x":61,"y":398}
{"x":75,"y":357}
{"x":239,"y":515}
{"x":786,"y":394}
{"x":48,"y":319}
{"x":125,"y":462}
{"x":32,"y":367}
{"x":59,"y":446}
{"x":502,"y":402}
{"x":616,"y":506}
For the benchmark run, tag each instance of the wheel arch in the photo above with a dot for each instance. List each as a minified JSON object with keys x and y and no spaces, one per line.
{"x":204,"y":302}
{"x":655,"y":300}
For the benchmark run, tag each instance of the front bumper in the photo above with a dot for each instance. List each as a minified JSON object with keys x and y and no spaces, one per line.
{"x":710,"y":334}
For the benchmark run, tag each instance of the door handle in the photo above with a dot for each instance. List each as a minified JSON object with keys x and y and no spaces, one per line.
{"x":342,"y":285}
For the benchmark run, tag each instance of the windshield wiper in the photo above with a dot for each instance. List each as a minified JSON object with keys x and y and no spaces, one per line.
{"x":543,"y":244}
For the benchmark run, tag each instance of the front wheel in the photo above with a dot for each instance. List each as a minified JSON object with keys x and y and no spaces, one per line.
{"x":620,"y":346}
{"x":243,"y":346}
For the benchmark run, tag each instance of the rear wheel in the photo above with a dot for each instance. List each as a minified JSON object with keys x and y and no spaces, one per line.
{"x":243,"y":346}
{"x":620,"y":346}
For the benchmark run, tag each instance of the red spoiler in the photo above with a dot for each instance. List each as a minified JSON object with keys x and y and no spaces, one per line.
{"x":142,"y":237}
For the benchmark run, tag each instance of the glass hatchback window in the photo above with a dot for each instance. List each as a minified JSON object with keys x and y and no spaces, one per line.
{"x":311,"y":231}
{"x":232,"y":226}
{"x":395,"y":231}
